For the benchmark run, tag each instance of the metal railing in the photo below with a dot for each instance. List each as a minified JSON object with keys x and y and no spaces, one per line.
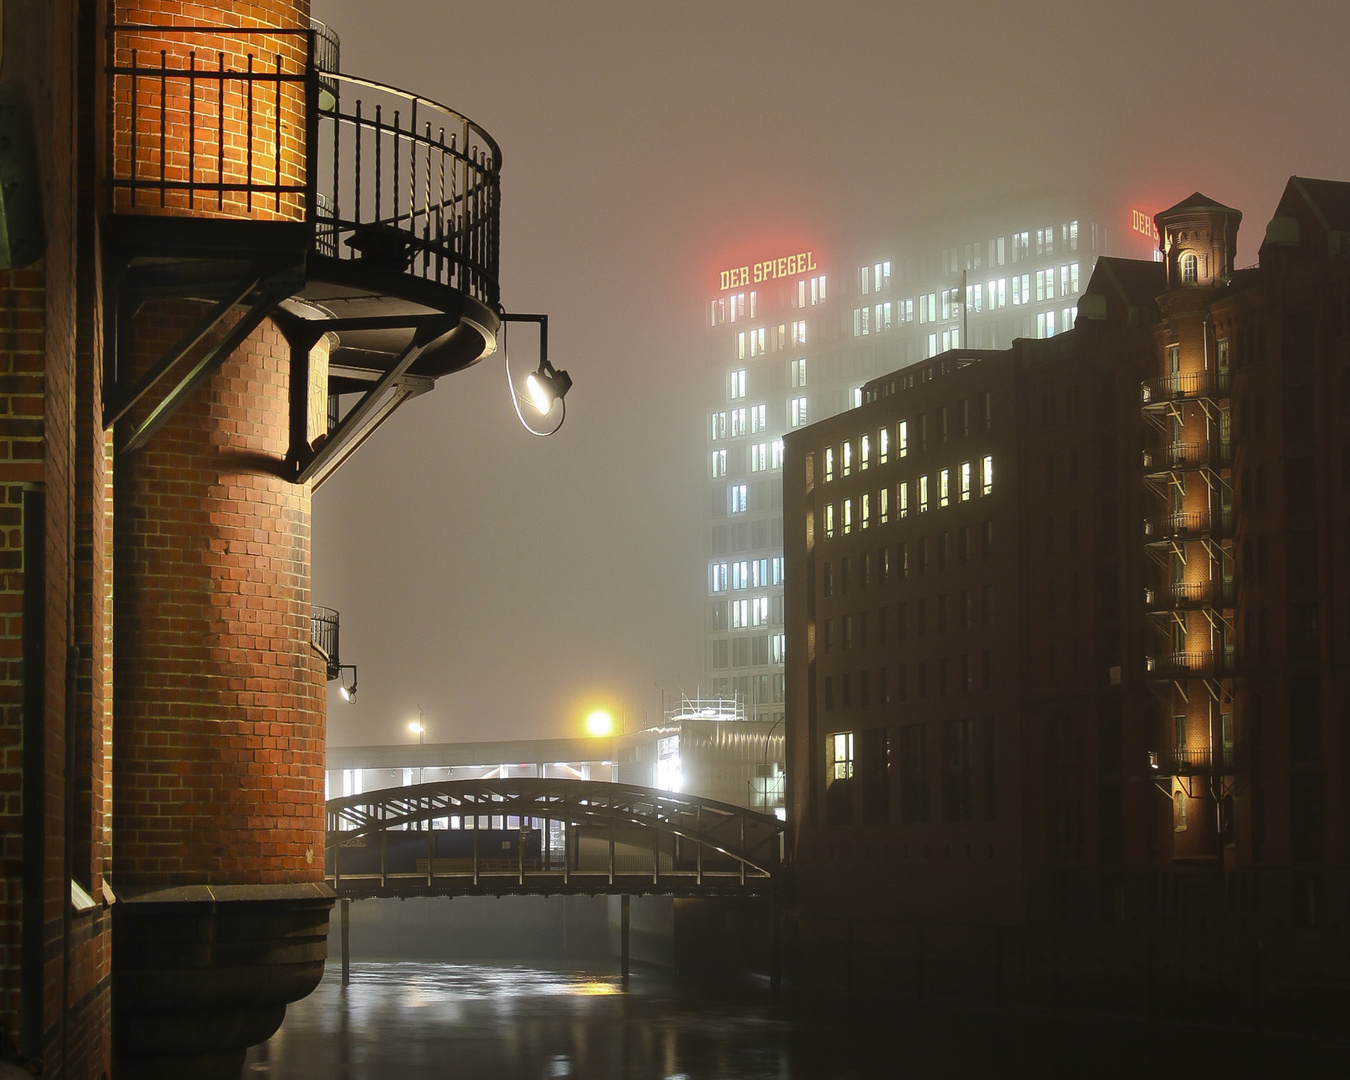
{"x":1190,"y":455}
{"x":1184,"y":524}
{"x":1191,"y":761}
{"x":260,"y":123}
{"x":323,"y":631}
{"x":1207,"y":664}
{"x":1181,"y":385}
{"x":1179,"y":594}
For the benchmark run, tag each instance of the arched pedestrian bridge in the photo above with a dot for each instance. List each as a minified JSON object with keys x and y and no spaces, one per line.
{"x":541,"y":836}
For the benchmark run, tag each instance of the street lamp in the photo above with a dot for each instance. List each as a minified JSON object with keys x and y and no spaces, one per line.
{"x":547,"y":386}
{"x":419,"y":728}
{"x":348,"y":692}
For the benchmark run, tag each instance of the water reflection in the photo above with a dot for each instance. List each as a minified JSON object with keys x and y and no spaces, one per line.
{"x":410,"y":1021}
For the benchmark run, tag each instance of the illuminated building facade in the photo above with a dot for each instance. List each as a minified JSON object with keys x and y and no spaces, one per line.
{"x":1066,"y":635}
{"x":794,"y":336}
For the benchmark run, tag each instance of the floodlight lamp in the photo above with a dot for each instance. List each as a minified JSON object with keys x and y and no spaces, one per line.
{"x":416,"y":728}
{"x":546,"y":386}
{"x":348,"y":692}
{"x":600,"y":723}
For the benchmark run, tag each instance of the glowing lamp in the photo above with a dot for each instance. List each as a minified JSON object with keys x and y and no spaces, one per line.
{"x":600,"y":723}
{"x":546,"y":386}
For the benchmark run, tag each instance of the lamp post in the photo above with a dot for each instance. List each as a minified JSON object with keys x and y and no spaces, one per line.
{"x":419,"y":728}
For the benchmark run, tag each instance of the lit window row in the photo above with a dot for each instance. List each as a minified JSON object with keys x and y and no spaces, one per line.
{"x":888,"y":440}
{"x":755,"y":340}
{"x":935,"y":490}
{"x":814,"y":288}
{"x":875,"y":278}
{"x":746,"y":574}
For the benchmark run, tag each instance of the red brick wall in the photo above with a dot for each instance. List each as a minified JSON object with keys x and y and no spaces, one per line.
{"x":219,"y":740}
{"x":220,"y":143}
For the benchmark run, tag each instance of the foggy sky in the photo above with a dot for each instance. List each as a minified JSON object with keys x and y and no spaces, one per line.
{"x":509,"y":584}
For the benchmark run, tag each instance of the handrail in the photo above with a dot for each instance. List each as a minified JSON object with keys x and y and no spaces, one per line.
{"x":379,"y":174}
{"x":1190,"y":384}
{"x":323,"y":631}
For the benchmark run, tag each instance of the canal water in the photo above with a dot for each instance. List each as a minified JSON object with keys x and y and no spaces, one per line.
{"x":421,"y":1020}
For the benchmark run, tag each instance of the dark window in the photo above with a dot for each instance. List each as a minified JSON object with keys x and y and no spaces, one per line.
{"x":914,"y":773}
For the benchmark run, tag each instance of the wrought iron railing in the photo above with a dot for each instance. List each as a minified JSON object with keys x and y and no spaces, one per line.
{"x":1183,"y":524}
{"x":1208,"y":664}
{"x":1177,"y":594}
{"x":323,"y":630}
{"x":259,"y":123}
{"x":1191,"y":384}
{"x":1191,"y":761}
{"x":1190,"y":455}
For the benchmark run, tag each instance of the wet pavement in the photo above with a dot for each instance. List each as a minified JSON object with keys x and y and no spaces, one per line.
{"x":418,"y":1020}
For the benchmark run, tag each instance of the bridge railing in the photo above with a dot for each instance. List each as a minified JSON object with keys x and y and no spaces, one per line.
{"x":479,"y":835}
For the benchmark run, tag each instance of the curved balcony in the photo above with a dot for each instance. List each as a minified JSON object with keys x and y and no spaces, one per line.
{"x":1188,"y":761}
{"x":244,"y":168}
{"x":323,"y":630}
{"x":1193,"y":665}
{"x":1186,"y":386}
{"x":1188,"y":595}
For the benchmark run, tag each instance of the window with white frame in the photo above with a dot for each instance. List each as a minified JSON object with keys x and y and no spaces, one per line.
{"x":737,"y":384}
{"x":759,"y":614}
{"x":799,"y":332}
{"x":737,"y":498}
{"x":923,"y":494}
{"x":740,"y":614}
{"x":740,"y":345}
{"x":839,"y":761}
{"x":864,"y":280}
{"x":719,"y":425}
{"x":740,"y":575}
{"x":965,"y":481}
{"x":719,"y":463}
{"x":883,"y":445}
{"x":902,"y":499}
{"x":758,"y":418}
{"x":801,"y":294}
{"x":864,"y":451}
{"x":846,"y":513}
{"x":943,"y":492}
{"x":902,"y":439}
{"x":884,"y":505}
{"x":797,"y":372}
{"x":829,"y":521}
{"x":759,"y":457}
{"x":719,"y":577}
{"x":864,"y":509}
{"x":797,"y":412}
{"x":737,"y":422}
{"x":987,"y":476}
{"x":776,"y":454}
{"x":776,"y":568}
{"x":829,"y":464}
{"x":848,"y":457}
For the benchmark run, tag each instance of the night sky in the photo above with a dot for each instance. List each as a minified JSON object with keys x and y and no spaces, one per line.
{"x":510,"y":584}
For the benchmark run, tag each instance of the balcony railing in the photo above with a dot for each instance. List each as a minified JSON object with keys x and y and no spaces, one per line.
{"x":1188,"y":524}
{"x":1191,"y":594}
{"x":1193,"y":665}
{"x":1190,"y":455}
{"x":210,"y":121}
{"x":1192,"y":384}
{"x":323,"y":630}
{"x":1187,"y":761}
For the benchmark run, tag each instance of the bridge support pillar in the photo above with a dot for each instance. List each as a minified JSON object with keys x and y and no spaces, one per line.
{"x":344,"y":913}
{"x":623,"y":938}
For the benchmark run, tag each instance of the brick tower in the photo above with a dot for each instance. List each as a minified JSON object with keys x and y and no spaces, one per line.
{"x":226,"y":265}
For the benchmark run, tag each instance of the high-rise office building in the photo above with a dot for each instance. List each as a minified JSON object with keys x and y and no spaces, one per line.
{"x":794,"y":335}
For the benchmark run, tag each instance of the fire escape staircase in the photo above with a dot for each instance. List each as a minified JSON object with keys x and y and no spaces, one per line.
{"x":376,"y":227}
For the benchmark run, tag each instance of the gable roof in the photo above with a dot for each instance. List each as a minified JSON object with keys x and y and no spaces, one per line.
{"x":1329,"y":200}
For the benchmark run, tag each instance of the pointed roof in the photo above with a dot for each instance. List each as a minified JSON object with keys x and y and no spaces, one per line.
{"x":1137,"y":282}
{"x":1328,"y":199}
{"x":1197,"y":201}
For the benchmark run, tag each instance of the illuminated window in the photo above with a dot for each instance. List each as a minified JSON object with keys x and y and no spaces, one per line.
{"x":798,"y":372}
{"x":738,"y":384}
{"x":821,"y":279}
{"x":883,"y":314}
{"x":1180,"y":799}
{"x":975,"y":298}
{"x":848,"y":458}
{"x":797,"y":411}
{"x":942,"y":487}
{"x":740,"y":575}
{"x":864,"y":279}
{"x":754,"y":307}
{"x":799,"y":332}
{"x":848,"y":516}
{"x":883,"y":506}
{"x":864,"y":509}
{"x":737,"y":422}
{"x":839,"y":754}
{"x":923,"y":494}
{"x":1073,"y":277}
{"x":776,"y":453}
{"x":719,"y":577}
{"x":987,"y":475}
{"x":758,"y":418}
{"x":866,"y":314}
{"x":737,"y":496}
{"x":864,"y":451}
{"x":883,"y":445}
{"x":719,"y":425}
{"x":1190,"y":267}
{"x":759,"y":457}
{"x":965,"y":481}
{"x":902,"y":499}
{"x":1002,"y":292}
{"x":829,"y":521}
{"x":757,"y":342}
{"x":801,"y":294}
{"x":740,"y":345}
{"x":740,"y":614}
{"x":759,"y":611}
{"x":719,"y":463}
{"x":882,"y":275}
{"x":1069,"y":316}
{"x":902,"y":439}
{"x":829,"y":463}
{"x":776,"y":566}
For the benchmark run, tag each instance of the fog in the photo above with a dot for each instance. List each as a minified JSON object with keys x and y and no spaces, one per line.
{"x":508,"y":584}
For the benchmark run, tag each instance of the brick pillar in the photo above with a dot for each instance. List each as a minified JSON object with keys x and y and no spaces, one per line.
{"x":218,"y":816}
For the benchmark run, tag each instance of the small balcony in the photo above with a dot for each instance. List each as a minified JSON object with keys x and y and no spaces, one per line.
{"x":1180,"y":525}
{"x":1187,"y":595}
{"x":1189,"y":761}
{"x":1186,"y":386}
{"x":323,"y":630}
{"x":1188,"y":456}
{"x":1209,"y":664}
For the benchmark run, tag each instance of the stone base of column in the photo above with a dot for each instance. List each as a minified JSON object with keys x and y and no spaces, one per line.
{"x":203,"y":972}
